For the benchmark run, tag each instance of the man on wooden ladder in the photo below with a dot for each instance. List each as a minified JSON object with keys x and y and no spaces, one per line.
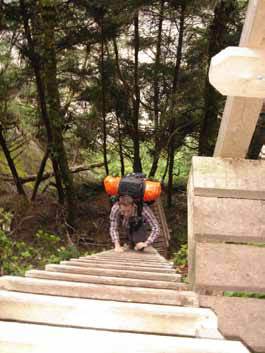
{"x":131,"y":213}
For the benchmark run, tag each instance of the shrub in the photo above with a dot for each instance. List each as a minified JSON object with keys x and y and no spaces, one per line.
{"x":16,"y":257}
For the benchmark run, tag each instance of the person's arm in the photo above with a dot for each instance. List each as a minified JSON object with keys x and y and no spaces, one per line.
{"x":114,"y":227}
{"x":151,"y":219}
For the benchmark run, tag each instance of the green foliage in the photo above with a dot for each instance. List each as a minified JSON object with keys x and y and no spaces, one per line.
{"x":5,"y":220}
{"x":180,"y":261}
{"x":16,"y":257}
{"x":244,"y":294}
{"x":180,"y":258}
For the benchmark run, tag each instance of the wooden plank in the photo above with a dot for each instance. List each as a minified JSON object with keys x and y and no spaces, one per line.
{"x":123,"y":256}
{"x":135,"y":260}
{"x":227,"y":177}
{"x":253,"y":33}
{"x":138,"y":257}
{"x":43,"y":339}
{"x":230,"y":267}
{"x":95,"y":291}
{"x":240,"y":318}
{"x":210,"y":333}
{"x":147,"y":318}
{"x":114,"y":273}
{"x":191,"y":240}
{"x":117,"y":267}
{"x":239,"y":72}
{"x":237,"y":126}
{"x":115,"y":281}
{"x":149,"y":253}
{"x":132,"y":254}
{"x":163,"y":221}
{"x":241,"y":114}
{"x":119,"y":262}
{"x":226,"y":219}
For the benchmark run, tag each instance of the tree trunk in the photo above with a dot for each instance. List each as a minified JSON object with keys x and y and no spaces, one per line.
{"x":11,"y":164}
{"x":40,"y":174}
{"x":157,"y":147}
{"x":137,"y":165}
{"x":217,"y":36}
{"x":103,"y":96}
{"x":165,"y":171}
{"x":53,"y":104}
{"x":172,"y":147}
{"x":120,"y":148}
{"x":134,"y":98}
{"x":35,"y":62}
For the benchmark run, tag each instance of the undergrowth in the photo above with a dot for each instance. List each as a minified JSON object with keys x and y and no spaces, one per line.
{"x":16,"y":257}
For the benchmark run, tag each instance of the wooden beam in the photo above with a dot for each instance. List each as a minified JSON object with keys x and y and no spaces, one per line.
{"x":253,"y":33}
{"x":230,"y":267}
{"x":241,"y":114}
{"x":239,"y":72}
{"x":239,"y":317}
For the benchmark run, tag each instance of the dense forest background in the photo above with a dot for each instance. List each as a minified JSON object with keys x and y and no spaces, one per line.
{"x":90,"y":88}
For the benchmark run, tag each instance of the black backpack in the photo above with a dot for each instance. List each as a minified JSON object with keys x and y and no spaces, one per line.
{"x":133,"y":185}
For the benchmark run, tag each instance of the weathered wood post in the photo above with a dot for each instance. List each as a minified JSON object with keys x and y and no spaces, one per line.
{"x":226,"y":194}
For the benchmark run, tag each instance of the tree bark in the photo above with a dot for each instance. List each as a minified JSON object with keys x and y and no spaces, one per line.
{"x":120,"y":148}
{"x":103,"y":95}
{"x":11,"y":164}
{"x":165,"y":170}
{"x":217,"y":42}
{"x":73,"y":170}
{"x":157,"y":147}
{"x":172,"y":147}
{"x":53,"y":105}
{"x":40,"y":174}
{"x":37,"y":67}
{"x":137,"y":165}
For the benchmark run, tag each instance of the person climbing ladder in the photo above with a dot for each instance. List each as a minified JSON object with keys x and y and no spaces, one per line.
{"x":130,"y":214}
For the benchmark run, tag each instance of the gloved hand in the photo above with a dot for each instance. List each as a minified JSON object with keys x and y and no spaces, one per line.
{"x":140,"y":245}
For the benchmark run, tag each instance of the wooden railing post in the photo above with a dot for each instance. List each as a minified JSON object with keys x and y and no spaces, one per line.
{"x":226,"y":228}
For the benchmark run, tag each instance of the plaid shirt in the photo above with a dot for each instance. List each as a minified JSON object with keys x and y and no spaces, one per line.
{"x":147,"y":216}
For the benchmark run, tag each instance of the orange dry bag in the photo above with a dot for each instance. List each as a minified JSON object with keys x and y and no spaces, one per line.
{"x":111,"y":185}
{"x":134,"y":185}
{"x":152,"y":190}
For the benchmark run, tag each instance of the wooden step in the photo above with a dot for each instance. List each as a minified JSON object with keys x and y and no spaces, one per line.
{"x":95,"y":291}
{"x":114,"y":273}
{"x":32,"y":338}
{"x":116,"y":281}
{"x":132,"y":261}
{"x":109,"y":315}
{"x":149,"y":251}
{"x":132,"y":254}
{"x":117,"y":267}
{"x":127,"y":261}
{"x":123,"y":256}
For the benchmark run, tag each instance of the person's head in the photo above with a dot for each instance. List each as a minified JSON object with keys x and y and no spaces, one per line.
{"x":127,"y":205}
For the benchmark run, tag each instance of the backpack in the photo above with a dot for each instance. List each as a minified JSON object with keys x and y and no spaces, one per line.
{"x":132,"y":185}
{"x":138,"y":187}
{"x":135,"y":185}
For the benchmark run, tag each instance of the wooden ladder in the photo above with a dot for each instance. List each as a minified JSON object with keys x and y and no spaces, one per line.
{"x":107,"y":303}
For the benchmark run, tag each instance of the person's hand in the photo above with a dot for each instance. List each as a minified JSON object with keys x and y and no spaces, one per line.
{"x":140,"y":245}
{"x":118,"y":248}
